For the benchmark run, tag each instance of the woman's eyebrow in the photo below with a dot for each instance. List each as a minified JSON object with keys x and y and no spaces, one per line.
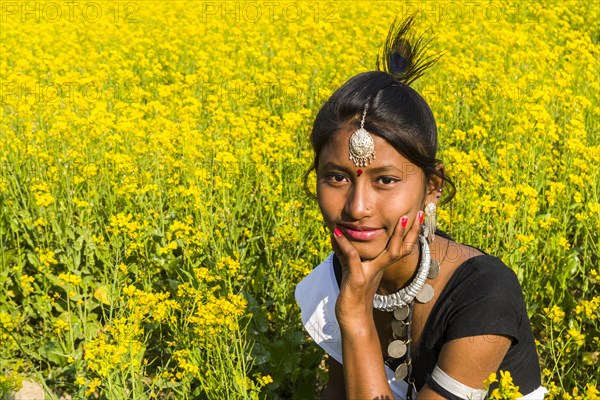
{"x":332,"y":166}
{"x":383,"y":169}
{"x":404,"y":169}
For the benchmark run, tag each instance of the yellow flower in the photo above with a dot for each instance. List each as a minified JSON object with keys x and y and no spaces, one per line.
{"x":44,"y":199}
{"x":555,"y":314}
{"x":168,"y":248}
{"x":564,"y":243}
{"x":70,"y":279}
{"x":93,"y":385}
{"x":264,"y":380}
{"x":123,"y":268}
{"x":80,"y":203}
{"x":592,"y":391}
{"x":589,"y":309}
{"x":525,"y":241}
{"x":46,"y":257}
{"x":578,"y":337}
{"x":41,"y":222}
{"x":6,"y":321}
{"x":60,"y":326}
{"x":506,"y":388}
{"x":489,"y":380}
{"x":26,"y":282}
{"x":228,"y":265}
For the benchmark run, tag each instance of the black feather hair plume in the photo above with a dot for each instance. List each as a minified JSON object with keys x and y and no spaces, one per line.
{"x":403,"y":55}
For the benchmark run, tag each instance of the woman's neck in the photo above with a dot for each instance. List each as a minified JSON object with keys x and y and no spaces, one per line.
{"x":401,"y":273}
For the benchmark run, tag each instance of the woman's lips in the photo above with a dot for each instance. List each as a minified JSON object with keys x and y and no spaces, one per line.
{"x":361,"y":234}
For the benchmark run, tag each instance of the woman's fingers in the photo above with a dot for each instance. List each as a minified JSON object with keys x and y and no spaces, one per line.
{"x":345,"y":251}
{"x":393,"y":250}
{"x":411,"y":238}
{"x":402,"y":241}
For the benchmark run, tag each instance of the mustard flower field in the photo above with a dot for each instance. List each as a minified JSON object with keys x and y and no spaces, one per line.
{"x":153,"y":222}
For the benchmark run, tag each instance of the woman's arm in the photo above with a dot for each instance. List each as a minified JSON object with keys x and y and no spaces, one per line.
{"x":358,"y":379}
{"x":470,"y":361}
{"x":364,"y":371}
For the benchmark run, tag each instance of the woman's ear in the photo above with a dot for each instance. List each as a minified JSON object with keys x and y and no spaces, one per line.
{"x":435,"y":185}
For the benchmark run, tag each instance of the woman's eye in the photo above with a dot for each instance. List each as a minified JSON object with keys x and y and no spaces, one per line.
{"x":337,"y":178}
{"x":387,"y":180}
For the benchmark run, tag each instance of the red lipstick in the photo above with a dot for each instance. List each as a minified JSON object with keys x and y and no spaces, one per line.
{"x":360,"y":233}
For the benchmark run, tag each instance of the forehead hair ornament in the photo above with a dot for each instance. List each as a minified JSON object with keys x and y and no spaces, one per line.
{"x":362,"y":146}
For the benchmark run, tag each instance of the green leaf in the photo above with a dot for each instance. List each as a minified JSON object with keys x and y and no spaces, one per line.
{"x":51,"y":352}
{"x":260,"y":354}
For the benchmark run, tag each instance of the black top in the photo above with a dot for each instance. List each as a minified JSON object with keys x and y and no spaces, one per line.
{"x":483,"y":297}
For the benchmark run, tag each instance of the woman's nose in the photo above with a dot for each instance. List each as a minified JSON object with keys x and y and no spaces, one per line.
{"x":358,"y":203}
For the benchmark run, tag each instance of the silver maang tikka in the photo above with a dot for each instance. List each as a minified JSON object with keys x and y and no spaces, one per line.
{"x":362,"y":146}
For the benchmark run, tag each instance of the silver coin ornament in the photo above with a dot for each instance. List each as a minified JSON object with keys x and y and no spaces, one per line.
{"x":401,"y":313}
{"x":401,"y":331}
{"x":434,"y":269}
{"x":401,"y":372}
{"x":425,"y":294}
{"x":399,"y":328}
{"x":397,"y":349}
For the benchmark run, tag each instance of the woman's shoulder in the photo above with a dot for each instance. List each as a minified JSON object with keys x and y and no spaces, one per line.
{"x":473,"y":271}
{"x":487,"y":266}
{"x":486,"y":280}
{"x":464,"y":259}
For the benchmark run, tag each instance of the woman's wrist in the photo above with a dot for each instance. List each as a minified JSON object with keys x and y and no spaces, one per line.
{"x":358,"y":330}
{"x":355,"y":321}
{"x":351,"y":310}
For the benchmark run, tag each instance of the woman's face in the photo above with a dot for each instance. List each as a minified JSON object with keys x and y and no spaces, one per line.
{"x":367,"y":208}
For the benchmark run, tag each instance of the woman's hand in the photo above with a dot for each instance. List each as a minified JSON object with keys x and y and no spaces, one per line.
{"x":364,"y":372}
{"x":360,"y":279}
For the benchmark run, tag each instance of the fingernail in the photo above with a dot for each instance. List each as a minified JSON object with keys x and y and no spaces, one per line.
{"x":337,"y":232}
{"x":420,"y":215}
{"x":404,"y":221}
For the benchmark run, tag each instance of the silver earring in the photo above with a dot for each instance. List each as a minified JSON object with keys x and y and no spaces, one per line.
{"x":430,"y":222}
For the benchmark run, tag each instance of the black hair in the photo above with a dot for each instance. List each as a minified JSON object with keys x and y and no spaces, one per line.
{"x":395,"y":111}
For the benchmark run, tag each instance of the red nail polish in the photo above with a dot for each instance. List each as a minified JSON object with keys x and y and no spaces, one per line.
{"x":420,"y":215}
{"x":337,"y":232}
{"x":404,"y":221}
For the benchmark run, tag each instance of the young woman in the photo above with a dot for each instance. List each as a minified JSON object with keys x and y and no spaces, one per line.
{"x":402,"y":309}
